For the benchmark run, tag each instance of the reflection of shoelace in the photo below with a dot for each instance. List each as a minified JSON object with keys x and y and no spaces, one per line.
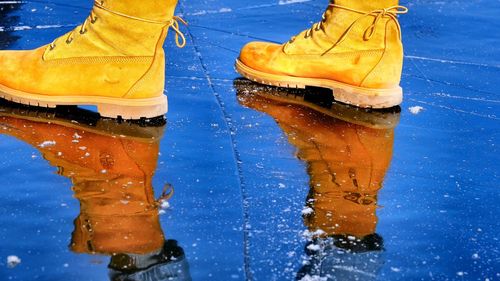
{"x":167,"y":193}
{"x":391,"y":12}
{"x":173,"y":23}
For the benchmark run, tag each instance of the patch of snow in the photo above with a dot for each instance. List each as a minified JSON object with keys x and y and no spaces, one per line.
{"x":47,"y":144}
{"x":11,"y":2}
{"x":314,"y":247}
{"x":164,"y":205}
{"x":287,"y":2}
{"x":395,"y":269}
{"x":310,"y":234}
{"x":49,"y":26}
{"x":416,"y":109}
{"x":205,"y":12}
{"x":307,"y":211}
{"x":313,"y":278}
{"x":354,"y":270}
{"x":20,"y":28}
{"x":13,"y":261}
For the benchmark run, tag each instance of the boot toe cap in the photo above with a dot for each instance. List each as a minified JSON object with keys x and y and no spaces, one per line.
{"x":259,"y":55}
{"x":16,"y":68}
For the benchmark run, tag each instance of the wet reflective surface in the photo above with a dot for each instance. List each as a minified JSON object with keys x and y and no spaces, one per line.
{"x":250,"y":182}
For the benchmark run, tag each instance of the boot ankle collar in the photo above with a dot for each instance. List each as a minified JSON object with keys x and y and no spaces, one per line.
{"x":173,"y":23}
{"x":100,"y":4}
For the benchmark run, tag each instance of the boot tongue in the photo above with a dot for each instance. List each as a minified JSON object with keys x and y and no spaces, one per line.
{"x":366,"y":5}
{"x":146,"y":9}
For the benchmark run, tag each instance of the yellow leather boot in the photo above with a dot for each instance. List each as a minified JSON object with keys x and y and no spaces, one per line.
{"x":114,"y":60}
{"x":355,"y":50}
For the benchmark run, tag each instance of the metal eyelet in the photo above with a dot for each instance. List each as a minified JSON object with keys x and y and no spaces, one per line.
{"x":93,"y":20}
{"x":83,"y":31}
{"x":69,"y":41}
{"x":52,"y":47}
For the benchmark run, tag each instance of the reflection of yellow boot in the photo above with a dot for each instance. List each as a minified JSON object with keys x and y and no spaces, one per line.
{"x":114,"y":60}
{"x":355,"y":50}
{"x":111,"y":178}
{"x":347,"y":162}
{"x":317,"y":100}
{"x":111,"y":166}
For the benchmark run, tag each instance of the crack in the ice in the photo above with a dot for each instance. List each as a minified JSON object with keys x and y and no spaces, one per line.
{"x":200,"y":78}
{"x":27,"y":27}
{"x":234,"y":33}
{"x":466,"y":87}
{"x":444,"y":95}
{"x":422,"y":73}
{"x":237,"y":159}
{"x":489,"y":116}
{"x":225,"y":10}
{"x":58,"y":4}
{"x":224,"y":48}
{"x":452,"y":61}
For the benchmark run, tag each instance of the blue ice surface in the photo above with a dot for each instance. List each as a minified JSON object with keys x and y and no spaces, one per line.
{"x":239,"y":186}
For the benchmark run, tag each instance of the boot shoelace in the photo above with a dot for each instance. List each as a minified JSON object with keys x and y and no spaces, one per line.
{"x":167,"y":193}
{"x":391,"y":12}
{"x":173,"y":23}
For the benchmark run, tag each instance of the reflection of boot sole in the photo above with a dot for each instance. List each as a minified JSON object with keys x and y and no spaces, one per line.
{"x":106,"y":106}
{"x":81,"y":119}
{"x":371,"y":118}
{"x":345,"y":93}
